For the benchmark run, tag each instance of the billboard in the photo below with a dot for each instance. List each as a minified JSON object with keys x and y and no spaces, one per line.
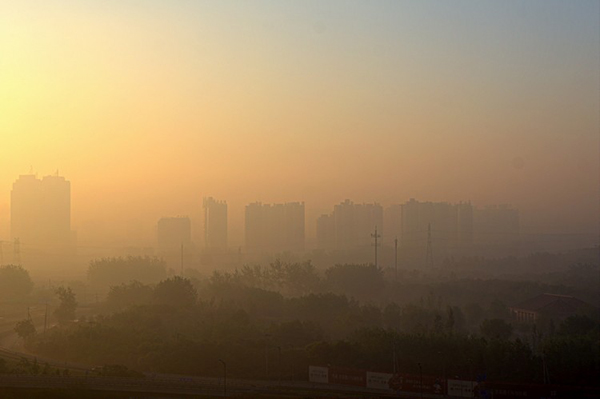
{"x":418,"y":383}
{"x":378,"y":380}
{"x":318,"y":374}
{"x":461,"y":388}
{"x":344,"y":376}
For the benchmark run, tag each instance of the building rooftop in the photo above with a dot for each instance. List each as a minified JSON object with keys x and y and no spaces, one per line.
{"x":543,"y":301}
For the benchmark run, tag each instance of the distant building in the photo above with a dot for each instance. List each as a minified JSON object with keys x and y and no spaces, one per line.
{"x":215,"y":223}
{"x":449,"y":227}
{"x":549,"y":306}
{"x":349,"y":226}
{"x":41,"y":212}
{"x":173,"y":232}
{"x":275,"y":227}
{"x":392,"y":221}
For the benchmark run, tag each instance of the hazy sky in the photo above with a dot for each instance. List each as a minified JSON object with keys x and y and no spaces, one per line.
{"x":147,"y":106}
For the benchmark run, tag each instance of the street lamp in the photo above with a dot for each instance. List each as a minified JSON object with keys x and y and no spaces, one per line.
{"x":224,"y":377}
{"x":279,"y":364}
{"x":421,"y":376}
{"x":267,"y":355}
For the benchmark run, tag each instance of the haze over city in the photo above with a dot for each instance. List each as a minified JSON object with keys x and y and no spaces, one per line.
{"x":299,"y":199}
{"x":148,"y":107}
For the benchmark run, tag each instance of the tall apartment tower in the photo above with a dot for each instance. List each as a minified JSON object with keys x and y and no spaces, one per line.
{"x":41,"y":212}
{"x":215,"y":223}
{"x":449,"y":228}
{"x":349,"y":226}
{"x":275,"y":227}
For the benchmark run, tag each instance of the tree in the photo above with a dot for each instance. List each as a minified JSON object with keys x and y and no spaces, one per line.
{"x":15,"y":282}
{"x":25,"y":329}
{"x":68,"y":304}
{"x":176,"y":291}
{"x":124,"y":295}
{"x":578,"y":325}
{"x":496,"y":329}
{"x":107,"y":272}
{"x":359,"y":281}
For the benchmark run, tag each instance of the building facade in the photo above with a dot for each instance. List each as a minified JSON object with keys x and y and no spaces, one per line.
{"x":215,"y":223}
{"x":349,"y":226}
{"x":41,"y":212}
{"x":440,"y":228}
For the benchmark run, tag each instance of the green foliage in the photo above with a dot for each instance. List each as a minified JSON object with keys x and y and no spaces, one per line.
{"x":496,"y":329}
{"x":25,"y":329}
{"x":131,"y":294}
{"x":573,"y":358}
{"x":287,"y":278}
{"x":350,"y":317}
{"x":108,"y":272}
{"x":359,"y":281}
{"x":579,"y":325}
{"x":68,"y":305}
{"x":15,"y":283}
{"x":176,"y":291}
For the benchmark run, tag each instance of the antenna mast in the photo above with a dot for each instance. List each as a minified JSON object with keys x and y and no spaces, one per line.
{"x":376,"y":237}
{"x":429,"y":254}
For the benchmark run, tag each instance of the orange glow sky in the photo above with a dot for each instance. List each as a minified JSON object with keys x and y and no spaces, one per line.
{"x":147,"y":106}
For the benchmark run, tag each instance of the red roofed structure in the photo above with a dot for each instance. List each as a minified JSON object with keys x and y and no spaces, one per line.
{"x":550,"y":305}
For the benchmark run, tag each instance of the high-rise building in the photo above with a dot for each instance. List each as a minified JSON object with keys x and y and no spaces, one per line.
{"x":275,"y":227}
{"x":173,"y":232}
{"x":41,"y":212}
{"x":446,"y":228}
{"x":349,"y":226}
{"x":215,"y":223}
{"x":392,"y":223}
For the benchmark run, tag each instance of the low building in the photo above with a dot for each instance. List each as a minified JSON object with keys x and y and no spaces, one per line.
{"x":550,"y":306}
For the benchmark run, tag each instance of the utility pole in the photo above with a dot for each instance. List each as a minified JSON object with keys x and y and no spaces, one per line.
{"x":429,"y":254}
{"x":181,"y":259}
{"x":394,"y":356}
{"x":267,"y":336}
{"x":376,"y":237}
{"x":279,"y":364}
{"x":224,"y":377}
{"x":46,"y":318}
{"x":396,"y":258}
{"x":17,"y":252}
{"x":421,"y":378}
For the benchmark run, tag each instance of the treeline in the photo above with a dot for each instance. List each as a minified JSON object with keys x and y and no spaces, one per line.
{"x":173,"y":328}
{"x":273,"y":321}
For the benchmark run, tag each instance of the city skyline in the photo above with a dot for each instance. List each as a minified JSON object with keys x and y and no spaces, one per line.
{"x":41,"y":212}
{"x":302,"y":101}
{"x":42,"y":218}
